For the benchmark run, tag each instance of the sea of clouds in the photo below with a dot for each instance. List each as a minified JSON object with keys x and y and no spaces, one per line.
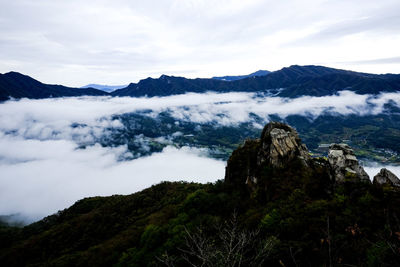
{"x":44,"y":169}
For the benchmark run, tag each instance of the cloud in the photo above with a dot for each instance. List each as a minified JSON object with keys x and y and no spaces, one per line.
{"x":52,"y":118}
{"x":390,"y":60}
{"x":117,"y":42}
{"x":41,"y":177}
{"x":44,"y":167}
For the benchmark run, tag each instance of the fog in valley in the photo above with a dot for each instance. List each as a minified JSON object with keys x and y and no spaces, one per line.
{"x":51,"y":156}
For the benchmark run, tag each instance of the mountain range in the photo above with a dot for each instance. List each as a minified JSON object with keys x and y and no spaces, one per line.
{"x":103,"y":87}
{"x":291,"y":81}
{"x":17,"y":85}
{"x":235,"y":78}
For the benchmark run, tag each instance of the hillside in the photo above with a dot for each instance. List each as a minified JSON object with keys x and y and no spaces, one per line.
{"x":293,"y":81}
{"x":240,"y":77}
{"x":17,"y":85}
{"x":276,"y":207}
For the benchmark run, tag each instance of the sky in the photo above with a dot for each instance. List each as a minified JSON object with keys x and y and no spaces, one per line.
{"x":75,"y":42}
{"x":44,"y":169}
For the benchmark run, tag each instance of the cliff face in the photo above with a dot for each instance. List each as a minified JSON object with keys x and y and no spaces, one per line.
{"x":280,"y":144}
{"x":280,"y":149}
{"x":345,"y":165}
{"x":386,"y":177}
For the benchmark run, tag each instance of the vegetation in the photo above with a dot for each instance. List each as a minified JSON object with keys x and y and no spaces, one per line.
{"x":262,"y":214}
{"x":374,"y":137}
{"x":296,"y":217}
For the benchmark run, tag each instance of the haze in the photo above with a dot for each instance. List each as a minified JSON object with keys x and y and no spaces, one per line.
{"x":44,"y":168}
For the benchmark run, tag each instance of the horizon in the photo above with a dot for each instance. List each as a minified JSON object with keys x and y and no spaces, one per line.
{"x":154,"y":77}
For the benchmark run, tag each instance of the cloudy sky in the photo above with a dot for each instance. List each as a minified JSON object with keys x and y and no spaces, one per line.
{"x":120,"y":41}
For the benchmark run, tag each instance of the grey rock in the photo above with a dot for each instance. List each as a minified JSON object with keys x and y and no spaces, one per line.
{"x":386,"y":177}
{"x":280,"y":144}
{"x":344,"y":164}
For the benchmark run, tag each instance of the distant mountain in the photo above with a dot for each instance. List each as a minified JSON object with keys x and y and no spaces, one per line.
{"x":293,"y":81}
{"x":235,"y":78}
{"x":105,"y":88}
{"x":171,"y":85}
{"x":17,"y":85}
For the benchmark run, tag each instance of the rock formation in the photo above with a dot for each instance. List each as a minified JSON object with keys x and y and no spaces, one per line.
{"x":386,"y":177}
{"x":280,"y":144}
{"x":280,"y":157}
{"x":345,"y":165}
{"x":278,"y":147}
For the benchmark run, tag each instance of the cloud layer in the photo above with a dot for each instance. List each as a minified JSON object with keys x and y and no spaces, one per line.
{"x":46,"y":176}
{"x":44,"y":167}
{"x":121,"y":41}
{"x":50,"y":117}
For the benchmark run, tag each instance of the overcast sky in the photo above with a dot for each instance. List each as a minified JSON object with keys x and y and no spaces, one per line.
{"x":120,"y":41}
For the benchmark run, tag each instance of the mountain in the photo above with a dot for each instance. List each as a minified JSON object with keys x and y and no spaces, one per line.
{"x":293,"y":81}
{"x":17,"y":85}
{"x":277,"y":206}
{"x":235,"y":78}
{"x":105,"y":88}
{"x":171,"y":85}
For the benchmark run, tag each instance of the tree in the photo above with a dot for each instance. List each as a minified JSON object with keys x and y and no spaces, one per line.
{"x":230,"y":246}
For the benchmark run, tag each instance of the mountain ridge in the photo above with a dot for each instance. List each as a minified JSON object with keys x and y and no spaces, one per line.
{"x":17,"y":85}
{"x":104,"y":87}
{"x":230,"y":78}
{"x":293,"y":81}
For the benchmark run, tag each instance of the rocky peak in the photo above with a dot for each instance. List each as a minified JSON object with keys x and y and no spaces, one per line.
{"x":280,"y":144}
{"x":345,"y":165}
{"x":386,"y":177}
{"x":280,"y":154}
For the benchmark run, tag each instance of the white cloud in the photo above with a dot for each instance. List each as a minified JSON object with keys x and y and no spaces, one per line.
{"x":43,"y":170}
{"x":52,"y":118}
{"x":39,"y":178}
{"x":120,"y":41}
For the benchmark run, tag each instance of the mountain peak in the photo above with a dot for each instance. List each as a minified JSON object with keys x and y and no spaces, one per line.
{"x":280,"y":144}
{"x":241,"y":77}
{"x":345,"y":164}
{"x":279,"y":147}
{"x":386,"y":177}
{"x":15,"y":74}
{"x":280,"y":150}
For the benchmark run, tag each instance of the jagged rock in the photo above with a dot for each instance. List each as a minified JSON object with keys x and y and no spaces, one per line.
{"x":386,"y":177}
{"x":242,"y":165}
{"x":280,"y":155}
{"x":280,"y":144}
{"x":345,"y":165}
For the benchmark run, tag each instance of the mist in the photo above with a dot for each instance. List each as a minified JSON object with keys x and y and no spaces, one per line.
{"x":59,"y":175}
